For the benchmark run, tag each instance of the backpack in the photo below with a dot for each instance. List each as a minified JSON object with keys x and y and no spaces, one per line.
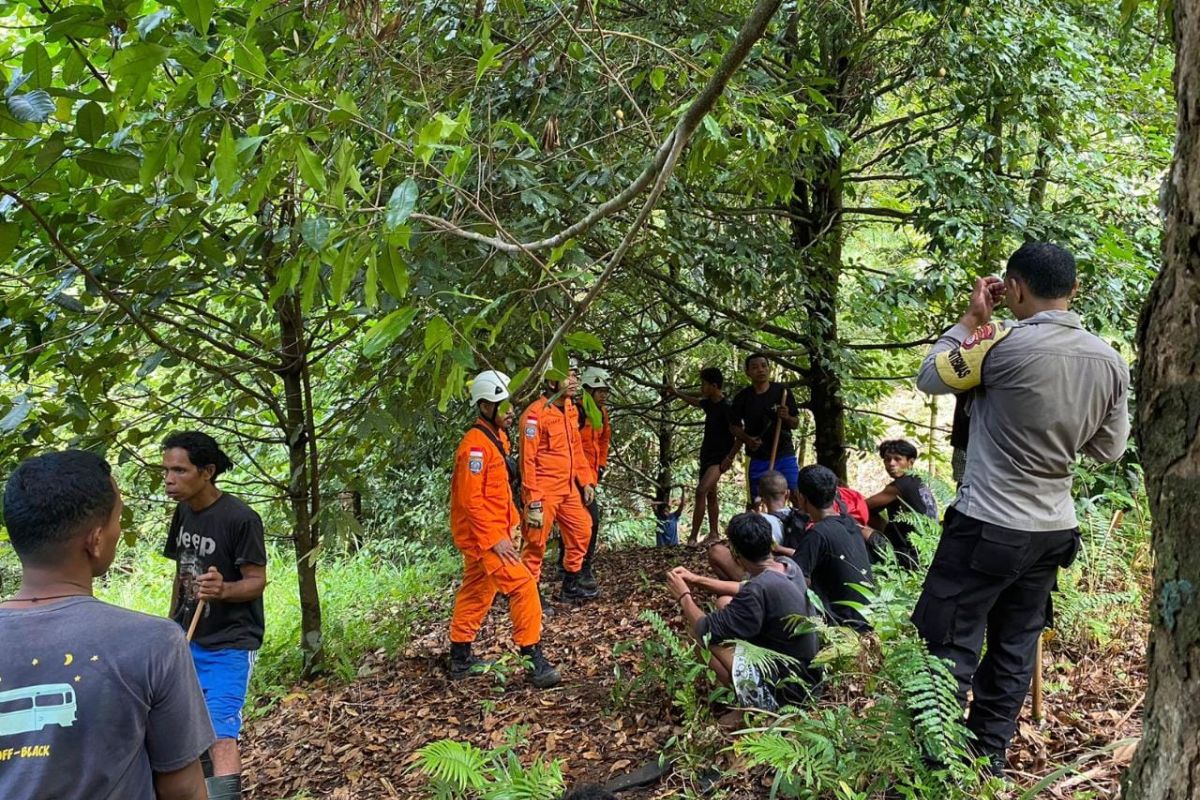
{"x":511,"y":463}
{"x":795,"y":525}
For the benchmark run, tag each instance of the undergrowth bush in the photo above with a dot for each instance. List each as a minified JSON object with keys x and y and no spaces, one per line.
{"x":461,"y":771}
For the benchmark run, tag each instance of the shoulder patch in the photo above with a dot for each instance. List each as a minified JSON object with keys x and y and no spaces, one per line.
{"x":962,"y":367}
{"x":475,"y":460}
{"x":531,"y":427}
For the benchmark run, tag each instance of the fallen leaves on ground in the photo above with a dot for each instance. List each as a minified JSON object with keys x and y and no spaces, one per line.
{"x":359,"y":741}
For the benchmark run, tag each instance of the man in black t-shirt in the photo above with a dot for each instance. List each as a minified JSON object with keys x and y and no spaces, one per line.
{"x":906,"y":493}
{"x":217,"y":542}
{"x":718,"y":449}
{"x":765,"y":611}
{"x":756,"y":412}
{"x":832,"y":551}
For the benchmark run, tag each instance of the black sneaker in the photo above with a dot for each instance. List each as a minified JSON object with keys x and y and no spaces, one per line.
{"x":463,"y":664}
{"x":541,"y":672}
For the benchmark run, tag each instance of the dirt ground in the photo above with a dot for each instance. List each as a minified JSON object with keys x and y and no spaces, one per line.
{"x":359,"y":741}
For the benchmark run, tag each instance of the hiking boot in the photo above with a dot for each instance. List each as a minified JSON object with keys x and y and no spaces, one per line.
{"x":463,"y":664}
{"x":573,"y":591}
{"x":541,"y":672}
{"x":586,"y":579}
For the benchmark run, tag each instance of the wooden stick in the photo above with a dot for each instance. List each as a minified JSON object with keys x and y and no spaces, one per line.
{"x":775,"y":444}
{"x":195,"y":619}
{"x":1038,"y":713}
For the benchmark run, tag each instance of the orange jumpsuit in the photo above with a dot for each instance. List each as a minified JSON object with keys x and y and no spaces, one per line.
{"x":482,"y":513}
{"x":553,"y":470}
{"x":596,"y":442}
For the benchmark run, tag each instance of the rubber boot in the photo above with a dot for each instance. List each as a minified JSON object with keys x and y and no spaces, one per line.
{"x":463,"y":664}
{"x":206,"y":764}
{"x":586,"y":579}
{"x":224,"y":787}
{"x":541,"y":673}
{"x":573,"y":592}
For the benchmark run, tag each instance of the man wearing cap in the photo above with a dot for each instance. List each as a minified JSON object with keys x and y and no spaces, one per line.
{"x":596,"y":441}
{"x":557,"y":483}
{"x":483,"y":520}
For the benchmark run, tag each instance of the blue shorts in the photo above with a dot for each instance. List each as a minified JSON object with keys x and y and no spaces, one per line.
{"x":785,"y":465}
{"x":224,"y":677}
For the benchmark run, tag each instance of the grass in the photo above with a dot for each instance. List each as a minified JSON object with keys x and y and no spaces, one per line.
{"x":372,"y":600}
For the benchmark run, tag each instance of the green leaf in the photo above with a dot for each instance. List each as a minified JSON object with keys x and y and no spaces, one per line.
{"x":315,"y":232}
{"x":198,"y":12}
{"x":394,"y":273}
{"x":250,"y":59}
{"x":489,"y":59}
{"x":587,"y":342}
{"x":78,"y":22}
{"x":138,"y":61}
{"x":10,"y":234}
{"x":35,"y":106}
{"x":89,"y":122}
{"x":147,"y":24}
{"x":371,"y":282}
{"x":36,"y":64}
{"x":401,"y":204}
{"x":308,"y":291}
{"x":345,"y":268}
{"x":16,"y":415}
{"x":388,"y":330}
{"x":310,"y":168}
{"x":206,"y":81}
{"x":438,"y":335}
{"x":560,"y":364}
{"x":151,"y":363}
{"x":122,"y":167}
{"x":658,"y":78}
{"x":225,"y":162}
{"x":518,"y":380}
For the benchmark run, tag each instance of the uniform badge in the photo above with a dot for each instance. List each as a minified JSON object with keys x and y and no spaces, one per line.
{"x":531,"y":428}
{"x":475,"y":461}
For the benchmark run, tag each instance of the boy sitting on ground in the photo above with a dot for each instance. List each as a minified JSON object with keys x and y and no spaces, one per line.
{"x":773,"y":489}
{"x":832,"y":553}
{"x":764,"y":612}
{"x":906,"y":493}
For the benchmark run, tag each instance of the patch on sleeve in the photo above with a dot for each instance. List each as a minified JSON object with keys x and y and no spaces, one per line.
{"x":475,"y":461}
{"x":962,"y":367}
{"x":531,"y":427}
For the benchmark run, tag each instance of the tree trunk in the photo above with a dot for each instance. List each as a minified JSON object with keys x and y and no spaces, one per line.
{"x":1167,"y":764}
{"x":303,"y":492}
{"x":817,"y":236}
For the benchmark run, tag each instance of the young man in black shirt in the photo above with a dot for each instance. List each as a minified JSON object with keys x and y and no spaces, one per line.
{"x":832,"y":552}
{"x":757,"y":411}
{"x":764,"y":611}
{"x":217,"y":542}
{"x":906,"y":493}
{"x":718,"y":449}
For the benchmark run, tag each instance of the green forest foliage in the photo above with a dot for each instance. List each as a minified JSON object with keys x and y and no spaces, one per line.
{"x":303,"y":226}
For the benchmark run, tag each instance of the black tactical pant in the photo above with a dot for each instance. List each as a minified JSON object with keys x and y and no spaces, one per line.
{"x":989,"y":578}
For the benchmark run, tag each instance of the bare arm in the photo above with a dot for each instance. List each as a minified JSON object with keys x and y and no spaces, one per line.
{"x":712,"y":585}
{"x":884,"y":497}
{"x":690,"y":399}
{"x":250,"y":587}
{"x":182,"y":784}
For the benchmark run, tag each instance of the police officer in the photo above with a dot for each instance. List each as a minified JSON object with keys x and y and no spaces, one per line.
{"x":557,"y":483}
{"x":596,"y":441}
{"x":1042,"y":390}
{"x":483,"y":520}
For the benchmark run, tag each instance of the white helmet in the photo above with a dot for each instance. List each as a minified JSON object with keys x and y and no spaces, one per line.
{"x":595,"y":378}
{"x":489,"y":385}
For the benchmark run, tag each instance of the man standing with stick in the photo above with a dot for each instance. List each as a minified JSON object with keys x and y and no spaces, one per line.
{"x":1049,"y":390}
{"x":763,"y":416}
{"x":217,"y":542}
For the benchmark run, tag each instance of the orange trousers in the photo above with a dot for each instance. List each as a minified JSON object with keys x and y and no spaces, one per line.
{"x":575,"y":525}
{"x":483,"y":577}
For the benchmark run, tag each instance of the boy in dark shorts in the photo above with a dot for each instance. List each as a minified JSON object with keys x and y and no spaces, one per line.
{"x":906,"y":493}
{"x":718,"y":449}
{"x":757,"y":411}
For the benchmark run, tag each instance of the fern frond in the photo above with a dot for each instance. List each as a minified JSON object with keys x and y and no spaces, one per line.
{"x":458,"y":764}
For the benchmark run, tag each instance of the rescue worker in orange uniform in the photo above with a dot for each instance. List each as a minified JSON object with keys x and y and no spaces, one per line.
{"x":483,"y":520}
{"x":558,"y":483}
{"x":596,"y":442}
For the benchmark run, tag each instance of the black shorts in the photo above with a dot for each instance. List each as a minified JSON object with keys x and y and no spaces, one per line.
{"x":707,"y":461}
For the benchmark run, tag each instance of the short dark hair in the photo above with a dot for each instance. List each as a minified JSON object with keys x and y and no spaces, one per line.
{"x":712,"y":375}
{"x":1047,"y":269}
{"x":818,"y":485}
{"x":202,"y":450}
{"x":589,"y":791}
{"x":772,"y":483}
{"x":900,"y":447}
{"x":751,"y":357}
{"x":750,"y":536}
{"x":52,"y":498}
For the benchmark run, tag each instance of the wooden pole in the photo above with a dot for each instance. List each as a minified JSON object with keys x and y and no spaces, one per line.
{"x":195,"y":619}
{"x":775,"y":444}
{"x":1038,"y":711}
